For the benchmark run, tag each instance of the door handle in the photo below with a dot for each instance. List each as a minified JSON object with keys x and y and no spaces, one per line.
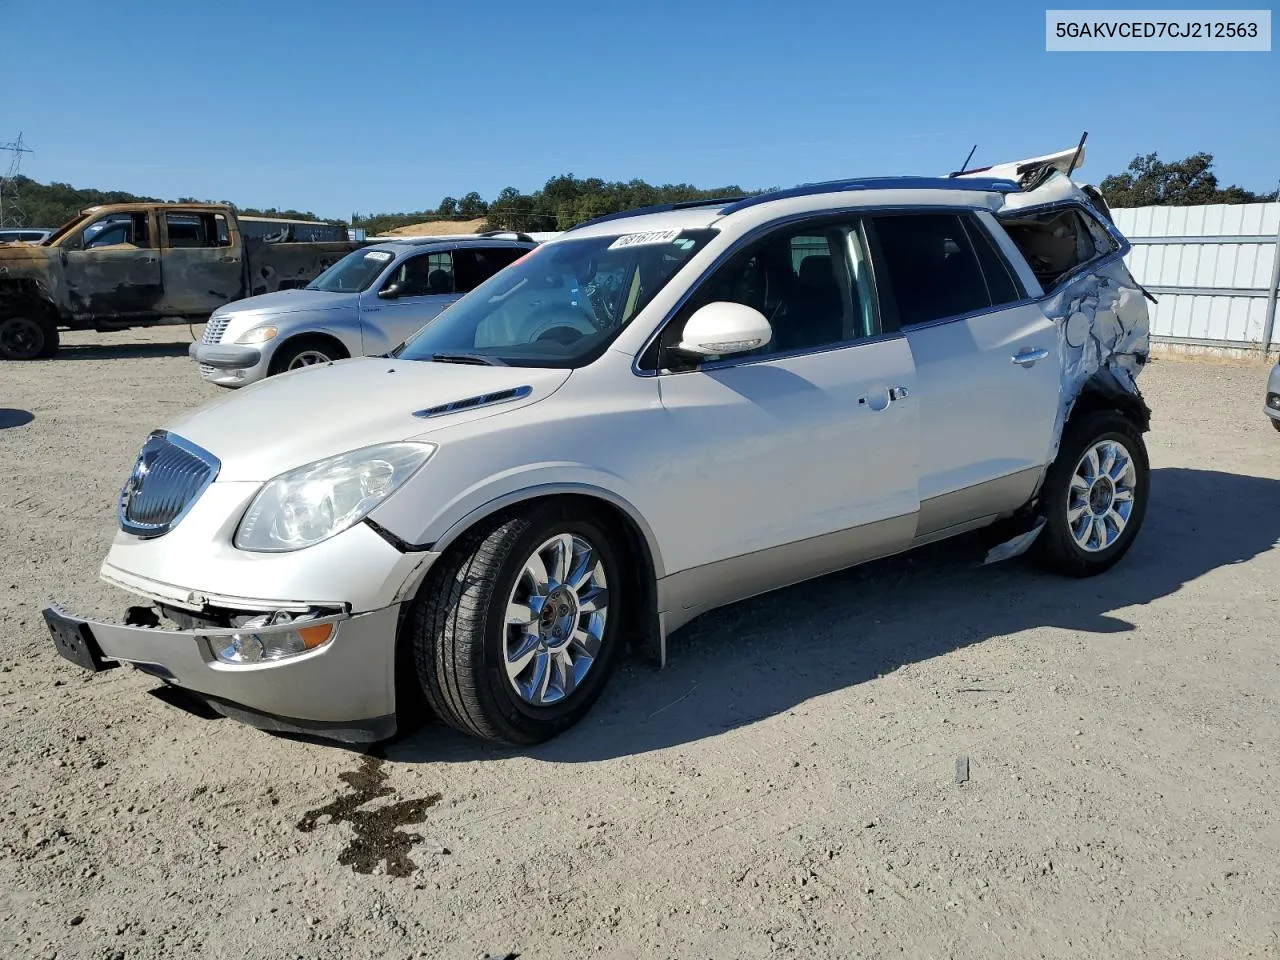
{"x":230,"y":259}
{"x":1029,"y":358}
{"x":898,"y":393}
{"x":149,"y":260}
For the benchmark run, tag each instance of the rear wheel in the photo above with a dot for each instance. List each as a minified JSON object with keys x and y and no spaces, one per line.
{"x":1095,"y":495}
{"x":305,"y":352}
{"x":28,"y":334}
{"x":516,"y":628}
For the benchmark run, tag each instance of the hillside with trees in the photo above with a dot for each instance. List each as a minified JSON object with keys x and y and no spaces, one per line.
{"x":567,"y":200}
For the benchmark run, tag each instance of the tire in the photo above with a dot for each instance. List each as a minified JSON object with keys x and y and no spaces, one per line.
{"x":290,"y":354}
{"x":1058,"y":548}
{"x":28,"y":333}
{"x":1274,"y":422}
{"x":459,"y":631}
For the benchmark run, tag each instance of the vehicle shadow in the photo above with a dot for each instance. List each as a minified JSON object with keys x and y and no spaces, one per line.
{"x":121,"y":351}
{"x":10,"y":417}
{"x":765,"y":656}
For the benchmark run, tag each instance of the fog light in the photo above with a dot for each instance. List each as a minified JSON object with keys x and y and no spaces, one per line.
{"x":249,"y":646}
{"x":1273,"y":401}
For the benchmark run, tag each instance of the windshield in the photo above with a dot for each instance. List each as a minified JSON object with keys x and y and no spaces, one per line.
{"x":561,"y":304}
{"x":353,"y":273}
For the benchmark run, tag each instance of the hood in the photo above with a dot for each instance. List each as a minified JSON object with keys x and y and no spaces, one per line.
{"x":290,"y":420}
{"x":286,"y":301}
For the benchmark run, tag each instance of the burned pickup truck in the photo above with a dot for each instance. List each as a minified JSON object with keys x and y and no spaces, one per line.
{"x":142,"y":264}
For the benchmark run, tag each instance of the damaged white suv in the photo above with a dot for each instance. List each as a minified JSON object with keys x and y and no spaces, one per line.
{"x":653,"y":415}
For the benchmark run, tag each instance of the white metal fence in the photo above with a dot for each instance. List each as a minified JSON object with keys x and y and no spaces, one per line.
{"x":1214,"y":270}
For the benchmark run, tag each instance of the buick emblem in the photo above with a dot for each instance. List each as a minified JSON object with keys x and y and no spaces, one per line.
{"x":134,"y":483}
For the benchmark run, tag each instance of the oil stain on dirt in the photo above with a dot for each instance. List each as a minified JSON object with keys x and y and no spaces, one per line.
{"x":377,"y":834}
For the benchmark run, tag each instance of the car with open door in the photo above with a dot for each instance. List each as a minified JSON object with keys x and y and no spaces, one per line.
{"x":655,"y":414}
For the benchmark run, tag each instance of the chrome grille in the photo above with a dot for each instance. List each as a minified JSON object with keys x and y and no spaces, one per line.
{"x":214,"y":329}
{"x":169,"y":476}
{"x":206,"y":371}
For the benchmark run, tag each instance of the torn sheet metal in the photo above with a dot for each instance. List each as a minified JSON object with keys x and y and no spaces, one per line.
{"x":1103,"y":326}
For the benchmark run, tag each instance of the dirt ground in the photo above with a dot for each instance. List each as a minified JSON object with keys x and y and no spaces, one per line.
{"x":786,"y":787}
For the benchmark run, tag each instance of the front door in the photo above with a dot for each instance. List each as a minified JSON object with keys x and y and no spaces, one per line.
{"x":800,"y":457}
{"x":203,"y":262}
{"x":411,"y":294}
{"x":987,"y":361}
{"x":112,"y":267}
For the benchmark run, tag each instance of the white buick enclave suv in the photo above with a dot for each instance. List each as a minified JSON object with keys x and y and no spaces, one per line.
{"x":653,"y":415}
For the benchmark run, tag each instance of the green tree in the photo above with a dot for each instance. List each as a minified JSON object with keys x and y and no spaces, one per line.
{"x":448,"y":208}
{"x":472,"y":206}
{"x":1149,"y":181}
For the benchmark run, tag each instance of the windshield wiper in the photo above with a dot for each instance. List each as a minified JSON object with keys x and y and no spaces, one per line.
{"x":476,"y":358}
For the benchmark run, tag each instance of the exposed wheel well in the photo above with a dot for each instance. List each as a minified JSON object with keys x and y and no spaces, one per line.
{"x":1102,"y":392}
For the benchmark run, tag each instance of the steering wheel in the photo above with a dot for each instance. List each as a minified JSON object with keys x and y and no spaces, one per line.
{"x":560,"y":323}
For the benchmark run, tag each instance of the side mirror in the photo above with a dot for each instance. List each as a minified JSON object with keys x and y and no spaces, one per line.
{"x":390,"y":292}
{"x":722,"y":329}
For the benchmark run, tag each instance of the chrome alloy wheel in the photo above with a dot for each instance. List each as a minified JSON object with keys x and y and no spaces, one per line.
{"x":1100,"y":495}
{"x":555,"y":619}
{"x":308,"y":358}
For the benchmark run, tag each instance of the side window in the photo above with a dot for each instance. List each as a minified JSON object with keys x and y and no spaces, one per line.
{"x":427,"y":274}
{"x":116,"y":229}
{"x":812,"y":283}
{"x":196,"y":229}
{"x":1056,"y":242}
{"x":1002,"y":283}
{"x":474,"y":265}
{"x":932,"y":269}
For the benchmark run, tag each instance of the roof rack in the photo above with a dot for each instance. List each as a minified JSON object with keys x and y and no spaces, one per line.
{"x":985,"y":185}
{"x":516,"y":234}
{"x":658,"y":208}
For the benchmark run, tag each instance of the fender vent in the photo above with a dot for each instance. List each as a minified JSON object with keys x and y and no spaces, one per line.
{"x":470,"y":403}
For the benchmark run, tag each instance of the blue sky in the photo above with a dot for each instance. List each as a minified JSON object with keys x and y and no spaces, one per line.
{"x":388,"y":106}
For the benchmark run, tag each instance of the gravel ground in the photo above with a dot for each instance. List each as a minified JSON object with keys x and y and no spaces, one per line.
{"x":787,"y":786}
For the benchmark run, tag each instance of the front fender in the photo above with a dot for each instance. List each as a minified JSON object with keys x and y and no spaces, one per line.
{"x":401,"y":517}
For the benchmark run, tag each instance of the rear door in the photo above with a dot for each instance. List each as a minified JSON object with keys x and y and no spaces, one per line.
{"x":987,"y":363}
{"x":203,"y":262}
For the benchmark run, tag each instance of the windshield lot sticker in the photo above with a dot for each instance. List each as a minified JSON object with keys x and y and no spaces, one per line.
{"x":644,"y":239}
{"x":381,"y":255}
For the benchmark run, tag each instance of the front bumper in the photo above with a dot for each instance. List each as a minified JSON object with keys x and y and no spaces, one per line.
{"x":229,"y":364}
{"x":344,"y":690}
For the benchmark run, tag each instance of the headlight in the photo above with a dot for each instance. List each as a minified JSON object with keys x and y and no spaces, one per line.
{"x":250,"y":646}
{"x":320,"y":500}
{"x":258,"y":335}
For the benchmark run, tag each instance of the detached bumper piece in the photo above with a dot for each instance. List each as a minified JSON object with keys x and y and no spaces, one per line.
{"x":74,"y":640}
{"x":343,"y":690}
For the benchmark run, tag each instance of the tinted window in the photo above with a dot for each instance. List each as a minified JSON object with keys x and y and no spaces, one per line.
{"x":811,"y":283}
{"x":931,"y":266}
{"x":1001,"y":283}
{"x":474,"y":265}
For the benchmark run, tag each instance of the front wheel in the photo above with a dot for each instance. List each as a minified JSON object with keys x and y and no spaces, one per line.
{"x":30,"y":334}
{"x":1095,"y":495}
{"x":516,"y":628}
{"x":305,"y":352}
{"x":1274,"y":422}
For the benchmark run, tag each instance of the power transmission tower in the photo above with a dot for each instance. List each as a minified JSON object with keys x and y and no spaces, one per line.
{"x":10,"y":201}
